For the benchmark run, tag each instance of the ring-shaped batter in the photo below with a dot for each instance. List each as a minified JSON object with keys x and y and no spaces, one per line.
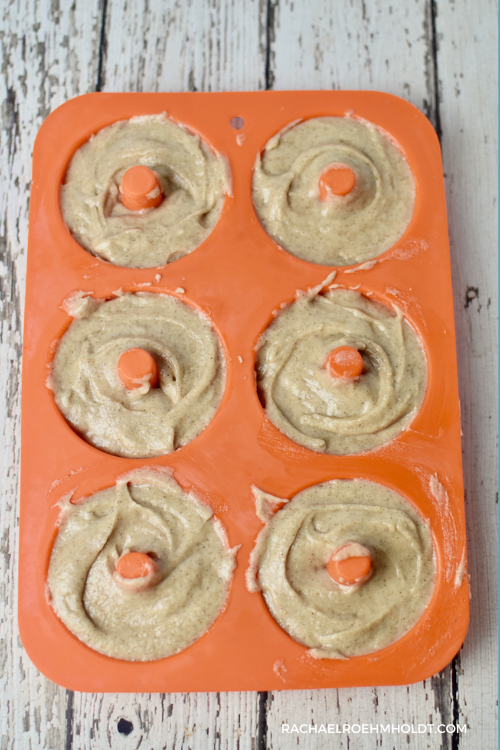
{"x":336,"y":621}
{"x":329,"y":414}
{"x":143,"y":422}
{"x":192,"y":179}
{"x":146,"y":511}
{"x":343,"y":229}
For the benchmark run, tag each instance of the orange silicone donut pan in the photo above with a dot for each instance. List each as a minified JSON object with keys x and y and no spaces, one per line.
{"x":238,"y":277}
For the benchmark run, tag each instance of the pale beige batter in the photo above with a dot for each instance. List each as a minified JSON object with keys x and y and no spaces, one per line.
{"x":192,"y":178}
{"x":146,"y":421}
{"x":333,"y":415}
{"x":145,"y":512}
{"x":335,"y":621}
{"x":342,"y":230}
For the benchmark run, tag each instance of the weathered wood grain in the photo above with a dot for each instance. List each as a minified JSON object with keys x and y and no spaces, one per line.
{"x":49,"y":54}
{"x":381,"y":46}
{"x":432,"y":53}
{"x":467,"y":64}
{"x":184,"y":46}
{"x":174,"y":722}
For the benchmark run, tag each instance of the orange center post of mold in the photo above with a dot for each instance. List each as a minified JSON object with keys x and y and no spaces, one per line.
{"x":135,"y":565}
{"x":135,"y":366}
{"x":344,"y":362}
{"x":337,"y":179}
{"x":140,"y":189}
{"x":351,"y":568}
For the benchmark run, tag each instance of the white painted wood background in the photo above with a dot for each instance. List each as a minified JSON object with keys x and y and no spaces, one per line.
{"x":439,"y":54}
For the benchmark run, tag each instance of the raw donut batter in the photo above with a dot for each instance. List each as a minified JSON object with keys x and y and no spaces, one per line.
{"x":144,"y":421}
{"x":331,"y":414}
{"x":294,"y":549}
{"x":191,"y":177}
{"x":156,"y":614}
{"x":363,"y":219}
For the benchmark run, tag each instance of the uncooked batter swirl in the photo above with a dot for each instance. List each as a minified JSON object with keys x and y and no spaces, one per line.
{"x":145,"y":512}
{"x":191,"y":177}
{"x":145,"y":421}
{"x":345,"y":229}
{"x":335,"y":415}
{"x":291,"y":558}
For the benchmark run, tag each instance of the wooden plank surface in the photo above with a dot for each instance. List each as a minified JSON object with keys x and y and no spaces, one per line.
{"x":49,"y":54}
{"x":432,"y":53}
{"x":184,"y":46}
{"x":468,"y":114}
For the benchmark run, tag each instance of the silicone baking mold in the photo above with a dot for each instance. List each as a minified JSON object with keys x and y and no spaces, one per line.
{"x":238,"y":278}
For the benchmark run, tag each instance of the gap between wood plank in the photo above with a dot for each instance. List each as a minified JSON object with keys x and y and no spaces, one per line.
{"x":455,"y":738}
{"x":269,"y":82}
{"x":437,"y":113}
{"x":70,"y":697}
{"x":102,"y":47}
{"x":270,"y":36}
{"x":262,"y":721}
